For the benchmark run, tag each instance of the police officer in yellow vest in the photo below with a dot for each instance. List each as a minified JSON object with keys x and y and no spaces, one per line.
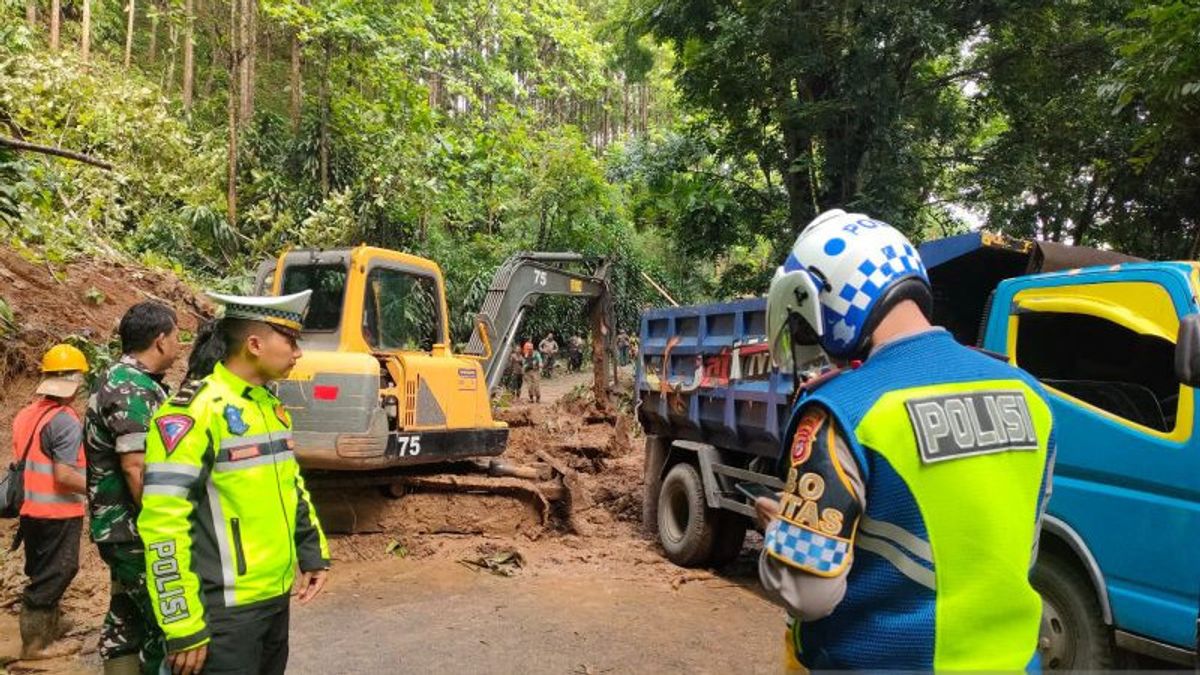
{"x":226,"y":518}
{"x":915,"y":484}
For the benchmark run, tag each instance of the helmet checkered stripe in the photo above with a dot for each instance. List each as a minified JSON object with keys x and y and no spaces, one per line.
{"x":849,"y":306}
{"x":804,"y":548}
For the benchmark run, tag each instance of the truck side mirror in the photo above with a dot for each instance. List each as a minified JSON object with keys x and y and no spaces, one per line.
{"x":1187,"y":351}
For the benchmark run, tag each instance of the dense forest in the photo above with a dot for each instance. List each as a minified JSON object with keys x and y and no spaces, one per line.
{"x":690,"y":139}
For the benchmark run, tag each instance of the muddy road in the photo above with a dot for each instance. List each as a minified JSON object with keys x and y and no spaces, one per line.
{"x":442,"y":617}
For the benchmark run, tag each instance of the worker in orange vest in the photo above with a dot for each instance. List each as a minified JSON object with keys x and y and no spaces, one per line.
{"x":49,"y":436}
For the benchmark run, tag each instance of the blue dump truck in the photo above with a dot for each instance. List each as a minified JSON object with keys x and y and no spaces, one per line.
{"x":1115,"y":341}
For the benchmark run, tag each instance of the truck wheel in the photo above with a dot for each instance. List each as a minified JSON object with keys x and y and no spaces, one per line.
{"x":685,"y":523}
{"x":1073,"y":635}
{"x":731,"y":534}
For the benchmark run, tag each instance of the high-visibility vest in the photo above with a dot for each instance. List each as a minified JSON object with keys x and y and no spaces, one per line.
{"x":225,"y":517}
{"x":44,"y":497}
{"x":954,"y":448}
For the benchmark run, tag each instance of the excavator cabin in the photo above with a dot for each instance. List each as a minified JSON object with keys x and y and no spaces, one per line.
{"x":379,"y":385}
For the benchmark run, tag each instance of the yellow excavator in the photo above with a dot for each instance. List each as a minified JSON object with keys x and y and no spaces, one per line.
{"x":379,"y":387}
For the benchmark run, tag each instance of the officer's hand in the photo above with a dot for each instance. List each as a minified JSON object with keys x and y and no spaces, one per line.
{"x":766,"y":510}
{"x":189,"y":662}
{"x":311,"y":584}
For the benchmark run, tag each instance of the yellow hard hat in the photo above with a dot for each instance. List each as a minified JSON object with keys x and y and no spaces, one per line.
{"x":63,"y":358}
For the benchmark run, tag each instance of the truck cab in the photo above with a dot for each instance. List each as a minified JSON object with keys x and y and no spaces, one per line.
{"x":1118,"y":563}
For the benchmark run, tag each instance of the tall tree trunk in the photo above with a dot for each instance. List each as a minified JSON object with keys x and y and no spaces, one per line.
{"x":252,"y":55}
{"x":189,"y":54}
{"x":234,"y":100}
{"x":131,"y":8}
{"x":31,"y":14}
{"x":324,"y":149}
{"x":173,"y":35}
{"x":247,"y":50}
{"x":296,"y":81}
{"x":154,"y":11}
{"x":55,"y":22}
{"x":625,"y":108}
{"x":85,"y":32}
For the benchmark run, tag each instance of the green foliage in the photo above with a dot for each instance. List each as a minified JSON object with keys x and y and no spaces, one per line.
{"x":8,"y":322}
{"x":686,"y":140}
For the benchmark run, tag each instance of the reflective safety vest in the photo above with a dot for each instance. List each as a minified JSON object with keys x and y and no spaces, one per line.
{"x":226,"y":518}
{"x":955,"y":449}
{"x":44,"y":497}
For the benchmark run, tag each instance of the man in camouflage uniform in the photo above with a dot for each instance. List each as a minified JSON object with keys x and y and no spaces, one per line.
{"x":115,"y":427}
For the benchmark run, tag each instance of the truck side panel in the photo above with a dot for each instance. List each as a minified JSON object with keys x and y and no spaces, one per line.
{"x":1126,"y":483}
{"x":704,"y":374}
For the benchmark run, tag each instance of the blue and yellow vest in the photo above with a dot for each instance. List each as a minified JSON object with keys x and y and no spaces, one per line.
{"x":954,"y":449}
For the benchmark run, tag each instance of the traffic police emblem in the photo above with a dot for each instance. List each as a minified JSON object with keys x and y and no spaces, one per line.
{"x":233,"y":419}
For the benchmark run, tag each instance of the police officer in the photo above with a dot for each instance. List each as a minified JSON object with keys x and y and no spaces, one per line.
{"x":115,"y":428}
{"x":915,"y":484}
{"x":226,"y":518}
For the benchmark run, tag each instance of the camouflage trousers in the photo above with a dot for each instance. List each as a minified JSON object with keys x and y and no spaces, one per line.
{"x":130,"y":626}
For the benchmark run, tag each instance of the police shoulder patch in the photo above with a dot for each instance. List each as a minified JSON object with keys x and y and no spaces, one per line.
{"x":806,"y":434}
{"x":188,"y":392}
{"x":819,"y":510}
{"x":172,"y":429}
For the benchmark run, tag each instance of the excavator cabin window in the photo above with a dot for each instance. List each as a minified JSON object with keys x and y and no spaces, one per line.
{"x":401,"y":311}
{"x":328,"y":284}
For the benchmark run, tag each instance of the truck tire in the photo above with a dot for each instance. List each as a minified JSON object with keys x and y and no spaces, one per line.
{"x":685,"y":523}
{"x":1073,"y":635}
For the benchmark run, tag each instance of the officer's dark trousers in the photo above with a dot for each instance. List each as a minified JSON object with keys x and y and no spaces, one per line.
{"x":249,"y":640}
{"x":51,"y":558}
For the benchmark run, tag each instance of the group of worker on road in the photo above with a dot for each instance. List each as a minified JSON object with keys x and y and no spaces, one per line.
{"x":903,"y":536}
{"x":527,"y":366}
{"x":195,"y":500}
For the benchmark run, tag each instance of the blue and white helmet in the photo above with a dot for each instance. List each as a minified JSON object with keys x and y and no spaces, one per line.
{"x":845,"y":272}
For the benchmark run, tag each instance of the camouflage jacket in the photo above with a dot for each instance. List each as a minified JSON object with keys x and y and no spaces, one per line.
{"x":117,"y":419}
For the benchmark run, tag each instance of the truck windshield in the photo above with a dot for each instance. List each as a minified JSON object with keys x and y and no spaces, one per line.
{"x":328,"y":284}
{"x":400,"y":311}
{"x":1105,"y":364}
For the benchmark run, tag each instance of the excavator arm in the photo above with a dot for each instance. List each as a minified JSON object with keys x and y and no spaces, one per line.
{"x":519,"y":283}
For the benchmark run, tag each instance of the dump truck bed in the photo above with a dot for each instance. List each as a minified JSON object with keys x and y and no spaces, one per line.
{"x":704,"y":374}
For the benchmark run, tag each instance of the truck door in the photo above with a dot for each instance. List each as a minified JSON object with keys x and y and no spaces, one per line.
{"x":1126,"y":476}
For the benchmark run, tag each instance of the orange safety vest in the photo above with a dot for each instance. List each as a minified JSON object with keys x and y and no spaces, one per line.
{"x":44,"y":497}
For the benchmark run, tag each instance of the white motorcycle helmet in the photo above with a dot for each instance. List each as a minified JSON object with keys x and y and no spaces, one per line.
{"x":845,"y":272}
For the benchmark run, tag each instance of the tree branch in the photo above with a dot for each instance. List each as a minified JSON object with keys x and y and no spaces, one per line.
{"x":57,"y":152}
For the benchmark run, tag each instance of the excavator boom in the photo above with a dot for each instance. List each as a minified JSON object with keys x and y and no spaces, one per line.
{"x":517,"y":286}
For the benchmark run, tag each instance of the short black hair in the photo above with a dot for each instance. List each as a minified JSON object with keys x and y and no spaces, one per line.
{"x":143,"y":323}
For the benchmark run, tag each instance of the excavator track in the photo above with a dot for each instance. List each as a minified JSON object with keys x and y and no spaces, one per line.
{"x":349,"y":503}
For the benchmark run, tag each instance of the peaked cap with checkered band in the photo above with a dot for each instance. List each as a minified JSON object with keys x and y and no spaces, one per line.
{"x":285,"y":311}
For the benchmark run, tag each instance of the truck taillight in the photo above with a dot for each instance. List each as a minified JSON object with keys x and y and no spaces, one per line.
{"x":325,"y":392}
